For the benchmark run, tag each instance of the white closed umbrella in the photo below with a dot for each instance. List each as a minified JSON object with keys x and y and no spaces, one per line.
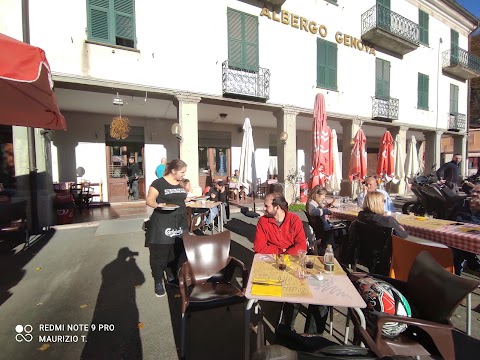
{"x":412,"y":166}
{"x":421,"y":157}
{"x":336,"y":177}
{"x":247,"y":172}
{"x":399,"y":173}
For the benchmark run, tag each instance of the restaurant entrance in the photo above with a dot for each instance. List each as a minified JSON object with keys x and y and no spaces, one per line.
{"x":117,"y":153}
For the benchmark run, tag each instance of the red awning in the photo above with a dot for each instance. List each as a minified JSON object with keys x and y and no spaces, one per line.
{"x":26,"y":87}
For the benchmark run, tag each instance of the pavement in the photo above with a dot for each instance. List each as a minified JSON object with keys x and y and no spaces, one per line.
{"x":70,"y":279}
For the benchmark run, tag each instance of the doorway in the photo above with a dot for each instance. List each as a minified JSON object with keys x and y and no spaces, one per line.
{"x":117,"y":154}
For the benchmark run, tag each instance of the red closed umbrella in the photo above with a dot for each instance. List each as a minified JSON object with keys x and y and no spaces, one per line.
{"x":321,"y":135}
{"x":386,"y":157}
{"x":26,"y":87}
{"x":358,"y":158}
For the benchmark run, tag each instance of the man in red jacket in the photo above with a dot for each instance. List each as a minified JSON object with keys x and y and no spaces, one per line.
{"x":278,"y":231}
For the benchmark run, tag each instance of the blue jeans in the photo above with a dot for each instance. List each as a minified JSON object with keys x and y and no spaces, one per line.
{"x":134,"y":187}
{"x":213,"y":214}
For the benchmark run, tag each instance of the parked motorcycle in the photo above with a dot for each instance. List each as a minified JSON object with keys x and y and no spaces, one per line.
{"x":470,"y":182}
{"x":433,"y":198}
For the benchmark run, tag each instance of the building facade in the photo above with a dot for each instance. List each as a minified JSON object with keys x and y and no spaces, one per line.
{"x":401,"y":66}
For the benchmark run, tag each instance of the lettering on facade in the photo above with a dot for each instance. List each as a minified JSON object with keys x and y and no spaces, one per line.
{"x":299,"y":22}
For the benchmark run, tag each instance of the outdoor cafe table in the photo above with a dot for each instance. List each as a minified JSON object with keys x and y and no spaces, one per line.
{"x":207,"y":205}
{"x":334,"y":290}
{"x":458,"y":235}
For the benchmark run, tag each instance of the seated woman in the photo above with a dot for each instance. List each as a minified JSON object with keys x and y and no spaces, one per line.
{"x":373,"y":213}
{"x":316,"y":208}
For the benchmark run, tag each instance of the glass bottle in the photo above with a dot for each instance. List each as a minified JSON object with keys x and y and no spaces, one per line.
{"x":329,"y":259}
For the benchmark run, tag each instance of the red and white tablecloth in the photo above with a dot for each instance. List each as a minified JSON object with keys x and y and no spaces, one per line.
{"x":454,"y":234}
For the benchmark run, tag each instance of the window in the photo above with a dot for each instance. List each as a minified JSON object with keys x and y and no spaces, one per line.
{"x":382,"y":79}
{"x":383,"y":14}
{"x":422,"y":102}
{"x":242,"y":40}
{"x":272,"y":144}
{"x":112,"y":21}
{"x":423,"y":24}
{"x":326,"y":64}
{"x":453,"y":47}
{"x":453,"y":99}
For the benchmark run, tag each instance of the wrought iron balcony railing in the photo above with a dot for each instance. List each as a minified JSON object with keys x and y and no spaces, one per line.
{"x":381,"y":17}
{"x":385,"y":108}
{"x":457,"y":122}
{"x":458,"y":56}
{"x":237,"y":81}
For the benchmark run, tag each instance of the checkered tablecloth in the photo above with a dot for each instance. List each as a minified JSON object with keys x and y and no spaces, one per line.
{"x":465,"y":236}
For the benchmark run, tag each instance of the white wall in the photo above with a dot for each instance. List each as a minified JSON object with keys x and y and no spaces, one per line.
{"x":182,"y":44}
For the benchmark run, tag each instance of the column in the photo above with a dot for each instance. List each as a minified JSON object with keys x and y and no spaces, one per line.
{"x":401,"y":131}
{"x":432,"y":154}
{"x":460,"y":147}
{"x":349,"y":130}
{"x":287,"y":151}
{"x":187,"y":110}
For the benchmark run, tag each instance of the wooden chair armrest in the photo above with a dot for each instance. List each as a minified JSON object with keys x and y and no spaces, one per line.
{"x":241,"y":265}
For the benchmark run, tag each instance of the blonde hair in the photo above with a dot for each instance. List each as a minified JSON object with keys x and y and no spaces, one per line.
{"x":374,"y":201}
{"x":317,"y":190}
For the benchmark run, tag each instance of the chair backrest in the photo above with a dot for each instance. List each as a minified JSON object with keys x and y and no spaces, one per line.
{"x":208,"y":254}
{"x":316,"y":224}
{"x":13,"y":212}
{"x":434,"y":291}
{"x":405,"y":251}
{"x":373,"y":246}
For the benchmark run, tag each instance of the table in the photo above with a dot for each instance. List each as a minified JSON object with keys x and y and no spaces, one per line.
{"x":458,"y":235}
{"x":208,"y":205}
{"x":334,"y":290}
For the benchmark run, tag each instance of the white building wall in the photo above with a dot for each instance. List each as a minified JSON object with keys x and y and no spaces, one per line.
{"x":184,"y":50}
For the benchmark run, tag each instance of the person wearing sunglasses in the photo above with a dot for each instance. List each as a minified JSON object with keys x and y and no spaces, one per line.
{"x":468,"y":212}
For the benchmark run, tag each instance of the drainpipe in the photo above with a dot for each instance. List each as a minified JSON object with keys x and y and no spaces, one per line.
{"x":440,"y":41}
{"x":32,"y":156}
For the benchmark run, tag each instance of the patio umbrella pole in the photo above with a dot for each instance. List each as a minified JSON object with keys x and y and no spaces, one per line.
{"x":32,"y":156}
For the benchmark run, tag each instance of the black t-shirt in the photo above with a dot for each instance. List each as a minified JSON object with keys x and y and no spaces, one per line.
{"x":219,"y":196}
{"x":166,"y":225}
{"x":168,"y":193}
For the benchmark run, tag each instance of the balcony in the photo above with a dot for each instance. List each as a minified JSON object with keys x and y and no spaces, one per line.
{"x":390,"y":31}
{"x":457,"y":122}
{"x":243,"y":83}
{"x":460,"y":63}
{"x":385,"y":108}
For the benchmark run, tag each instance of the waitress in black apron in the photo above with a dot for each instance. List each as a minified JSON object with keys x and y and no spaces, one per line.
{"x":168,"y":221}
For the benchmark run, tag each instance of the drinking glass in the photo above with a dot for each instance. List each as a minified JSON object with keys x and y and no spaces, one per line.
{"x":280,"y":262}
{"x":302,"y":254}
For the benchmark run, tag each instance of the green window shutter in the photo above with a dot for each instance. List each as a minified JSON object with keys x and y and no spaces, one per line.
{"x":321,"y":63}
{"x":242,"y":40}
{"x":453,"y":99}
{"x":331,"y":68}
{"x":454,"y":46}
{"x":382,"y":78}
{"x":326,"y":64}
{"x":98,"y":16}
{"x":125,"y":19}
{"x":251,"y":42}
{"x":385,"y":3}
{"x":423,"y":25}
{"x":235,"y":55}
{"x":423,"y":84}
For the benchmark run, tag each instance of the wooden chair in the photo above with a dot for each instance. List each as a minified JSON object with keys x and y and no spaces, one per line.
{"x":404,"y":253}
{"x":77,"y":193}
{"x":87,"y":193}
{"x":433,"y":294}
{"x":205,"y":280}
{"x":13,"y":219}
